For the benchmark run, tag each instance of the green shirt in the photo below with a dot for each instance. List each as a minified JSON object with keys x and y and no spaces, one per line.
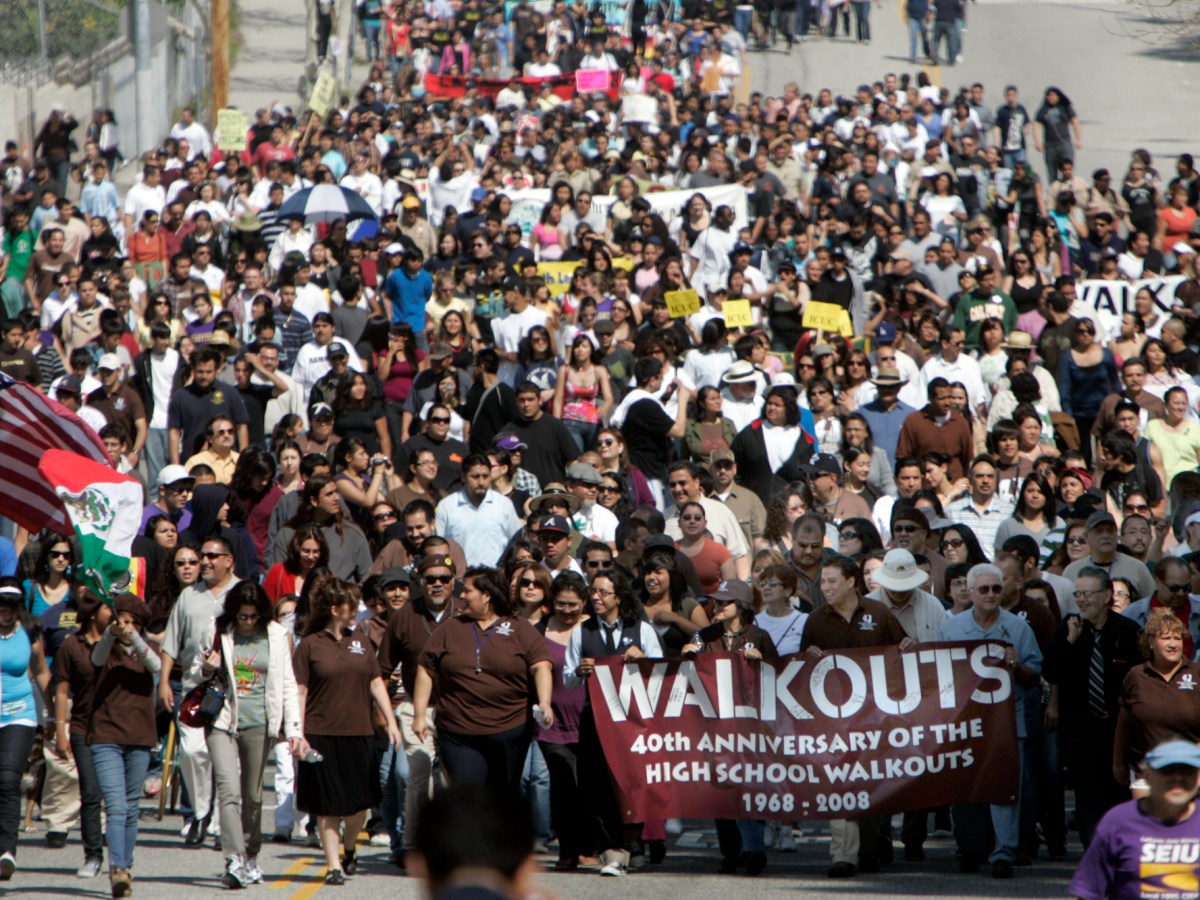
{"x":250,"y":658}
{"x":19,"y":249}
{"x":976,"y":308}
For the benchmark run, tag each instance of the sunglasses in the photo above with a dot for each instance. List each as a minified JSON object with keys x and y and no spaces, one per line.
{"x":384,"y":516}
{"x":528,"y":582}
{"x":211,"y":556}
{"x":906,"y":529}
{"x":1077,"y":540}
{"x":600,"y":564}
{"x":691,"y":518}
{"x":180,"y":563}
{"x":440,"y":420}
{"x":60,"y":554}
{"x":989,"y":589}
{"x":952,"y":543}
{"x":438,"y":579}
{"x":248,"y":617}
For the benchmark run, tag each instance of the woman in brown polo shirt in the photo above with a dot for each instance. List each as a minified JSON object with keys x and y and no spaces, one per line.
{"x":486,"y":664}
{"x":338,"y":680}
{"x":121,"y":730}
{"x":1160,"y":698}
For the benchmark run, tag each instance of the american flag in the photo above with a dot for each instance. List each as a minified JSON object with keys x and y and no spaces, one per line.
{"x":31,"y":424}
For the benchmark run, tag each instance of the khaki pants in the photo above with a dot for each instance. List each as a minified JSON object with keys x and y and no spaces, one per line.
{"x":60,"y":794}
{"x":238,"y":764}
{"x":422,"y":760}
{"x":195,"y":765}
{"x":843,"y":841}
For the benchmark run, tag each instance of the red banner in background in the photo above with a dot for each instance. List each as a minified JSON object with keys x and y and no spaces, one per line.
{"x":441,"y":86}
{"x":850,"y":733}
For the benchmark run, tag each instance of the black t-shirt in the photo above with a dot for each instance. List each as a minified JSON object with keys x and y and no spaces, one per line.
{"x":360,"y":423}
{"x":1120,"y":485}
{"x":551,"y":447}
{"x":256,"y":397}
{"x":192,"y":408}
{"x":646,"y":435}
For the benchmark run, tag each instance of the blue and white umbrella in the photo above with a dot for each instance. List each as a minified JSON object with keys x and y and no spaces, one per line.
{"x":326,"y":203}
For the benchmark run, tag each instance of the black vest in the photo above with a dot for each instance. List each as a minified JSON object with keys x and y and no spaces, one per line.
{"x":593,"y":639}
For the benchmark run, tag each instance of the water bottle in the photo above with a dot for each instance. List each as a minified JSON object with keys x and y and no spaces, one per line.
{"x":312,"y":756}
{"x":539,"y":716}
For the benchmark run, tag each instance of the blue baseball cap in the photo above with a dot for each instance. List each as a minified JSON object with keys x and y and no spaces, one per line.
{"x":1174,"y":753}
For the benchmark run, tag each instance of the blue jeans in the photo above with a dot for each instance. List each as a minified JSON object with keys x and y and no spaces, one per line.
{"x":742,"y":18}
{"x":371,"y":37}
{"x":15,"y":743}
{"x":535,"y":785}
{"x":393,"y":781}
{"x":584,"y":433}
{"x":120,"y":771}
{"x":862,"y":20}
{"x":1012,"y":157}
{"x":155,"y":453}
{"x":916,"y":32}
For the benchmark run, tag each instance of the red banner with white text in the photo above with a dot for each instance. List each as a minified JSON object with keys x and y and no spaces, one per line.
{"x":451,"y":86}
{"x":851,"y":733}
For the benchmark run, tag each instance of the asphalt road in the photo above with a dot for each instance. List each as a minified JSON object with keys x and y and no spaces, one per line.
{"x":1122,"y":73}
{"x":164,"y":868}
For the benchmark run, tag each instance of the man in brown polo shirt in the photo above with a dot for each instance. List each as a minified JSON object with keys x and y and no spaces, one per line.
{"x":400,"y":551}
{"x":938,"y":429}
{"x":408,"y":630}
{"x":848,"y":620}
{"x":119,"y":403}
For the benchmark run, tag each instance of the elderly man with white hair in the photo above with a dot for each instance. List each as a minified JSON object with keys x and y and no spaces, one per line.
{"x":986,"y":620}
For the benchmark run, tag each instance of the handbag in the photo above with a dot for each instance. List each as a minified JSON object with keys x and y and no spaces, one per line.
{"x":204,"y":702}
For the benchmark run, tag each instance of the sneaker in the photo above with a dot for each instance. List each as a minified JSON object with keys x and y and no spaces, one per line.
{"x":56,"y":840}
{"x":8,"y":865}
{"x":335,"y":877}
{"x":786,"y":842}
{"x":612,"y":863}
{"x":91,"y":868}
{"x":381,"y":839}
{"x":152,"y":786}
{"x":234,"y":876}
{"x":251,"y":873}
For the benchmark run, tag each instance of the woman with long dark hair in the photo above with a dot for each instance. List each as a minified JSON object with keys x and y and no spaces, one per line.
{"x":583,"y":396}
{"x":261,"y":701}
{"x":307,"y":551}
{"x":339,"y":682}
{"x":771,"y":451}
{"x":52,"y":578}
{"x":673,"y":612}
{"x":707,"y":430}
{"x":254,"y":493}
{"x":857,"y":538}
{"x":357,"y":415}
{"x":1035,"y":513}
{"x":362,"y":479}
{"x":616,"y":628}
{"x":349,"y":552}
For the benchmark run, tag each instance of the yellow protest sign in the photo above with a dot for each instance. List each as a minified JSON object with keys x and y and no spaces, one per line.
{"x":557,"y":275}
{"x":682,"y":303}
{"x":623,"y":262}
{"x":828,"y":317}
{"x":324,"y":93}
{"x":232,"y":125}
{"x":737,"y":314}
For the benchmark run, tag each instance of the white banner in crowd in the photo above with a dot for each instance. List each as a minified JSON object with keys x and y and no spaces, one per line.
{"x":1112,"y":299}
{"x":527,"y":205}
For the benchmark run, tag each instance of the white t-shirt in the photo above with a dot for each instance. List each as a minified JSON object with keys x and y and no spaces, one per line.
{"x":785,"y":631}
{"x":162,"y":374}
{"x":508,"y":331}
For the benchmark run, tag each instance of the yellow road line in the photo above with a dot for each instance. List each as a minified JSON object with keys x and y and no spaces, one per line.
{"x":935,"y":74}
{"x":293,"y":871}
{"x":310,"y":890}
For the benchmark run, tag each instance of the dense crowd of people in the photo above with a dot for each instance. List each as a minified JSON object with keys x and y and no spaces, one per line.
{"x":405,"y":485}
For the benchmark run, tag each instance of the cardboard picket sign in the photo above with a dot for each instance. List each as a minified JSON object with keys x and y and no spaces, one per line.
{"x":682,"y":303}
{"x":827,"y":317}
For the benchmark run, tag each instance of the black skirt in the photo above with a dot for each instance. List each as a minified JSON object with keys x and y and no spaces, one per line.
{"x":345,"y":782}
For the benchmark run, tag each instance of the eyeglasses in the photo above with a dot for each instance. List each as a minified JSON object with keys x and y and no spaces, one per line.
{"x":1136,"y":507}
{"x":211,"y":556}
{"x":691,"y":518}
{"x":528,"y":582}
{"x":953,"y":543}
{"x":856,"y":362}
{"x":180,"y":563}
{"x":1076,"y":540}
{"x":848,"y":536}
{"x":384,"y":516}
{"x":1085,"y":595}
{"x":438,"y":579}
{"x":223,"y":432}
{"x":1170,"y":588}
{"x":770,"y":584}
{"x":600,"y":592}
{"x":60,"y":554}
{"x":988,"y":588}
{"x":248,"y":617}
{"x":603,"y":564}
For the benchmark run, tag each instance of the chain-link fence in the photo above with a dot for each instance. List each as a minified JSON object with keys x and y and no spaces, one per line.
{"x":79,"y":54}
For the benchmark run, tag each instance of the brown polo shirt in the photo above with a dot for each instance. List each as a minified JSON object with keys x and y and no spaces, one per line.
{"x":1156,"y":707}
{"x":394,"y":555}
{"x":871,"y":625}
{"x":496,"y":698}
{"x":123,"y":407}
{"x":338,"y":675}
{"x":122,"y":706}
{"x":73,"y":664}
{"x":408,"y":630}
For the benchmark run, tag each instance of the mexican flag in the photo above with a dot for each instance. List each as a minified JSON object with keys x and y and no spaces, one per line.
{"x":105,"y":509}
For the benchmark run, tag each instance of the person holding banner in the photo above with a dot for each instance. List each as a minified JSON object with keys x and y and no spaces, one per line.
{"x":616,"y":628}
{"x":987,"y":621}
{"x":734,"y":630}
{"x":846,"y":620}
